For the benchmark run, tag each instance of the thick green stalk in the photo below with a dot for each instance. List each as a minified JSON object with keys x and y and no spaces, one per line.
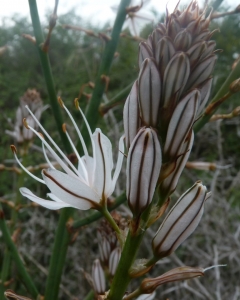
{"x":23,"y":275}
{"x":5,"y":272}
{"x":92,"y":113}
{"x":47,"y":73}
{"x":62,"y":239}
{"x":97,"y":215}
{"x":122,"y":278}
{"x":235,"y":74}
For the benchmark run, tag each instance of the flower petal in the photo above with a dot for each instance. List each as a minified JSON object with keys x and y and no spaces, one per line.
{"x":54,"y":205}
{"x":104,"y":163}
{"x":70,"y":190}
{"x":118,"y":165}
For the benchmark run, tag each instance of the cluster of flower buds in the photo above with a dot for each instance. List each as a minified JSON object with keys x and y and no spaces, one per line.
{"x":109,"y":249}
{"x":31,"y":98}
{"x":109,"y":252}
{"x":170,"y":93}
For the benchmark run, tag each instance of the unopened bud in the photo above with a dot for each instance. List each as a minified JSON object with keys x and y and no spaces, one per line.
{"x":104,"y":250}
{"x":131,"y":118}
{"x":149,"y":285}
{"x":236,"y":111}
{"x":169,"y":184}
{"x":144,"y":52}
{"x":113,"y":260}
{"x":98,"y":278}
{"x":180,"y":124}
{"x":180,"y":222}
{"x":235,"y":86}
{"x":149,"y":86}
{"x":143,"y":167}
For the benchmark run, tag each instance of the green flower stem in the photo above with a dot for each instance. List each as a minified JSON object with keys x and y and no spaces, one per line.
{"x":110,"y":220}
{"x":235,"y":74}
{"x":47,"y":73}
{"x":62,"y":239}
{"x":23,"y":275}
{"x":119,"y":98}
{"x":5,"y":272}
{"x":92,"y":113}
{"x":14,"y":219}
{"x":122,"y":278}
{"x":97,"y":215}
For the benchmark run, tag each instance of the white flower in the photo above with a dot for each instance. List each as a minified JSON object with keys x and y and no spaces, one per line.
{"x":85,"y":187}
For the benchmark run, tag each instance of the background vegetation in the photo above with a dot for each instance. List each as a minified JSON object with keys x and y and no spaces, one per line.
{"x":75,"y":58}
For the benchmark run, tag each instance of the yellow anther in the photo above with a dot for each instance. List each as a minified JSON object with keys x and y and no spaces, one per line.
{"x":41,"y":134}
{"x":25,"y":123}
{"x":64,"y":127}
{"x":13,"y":148}
{"x":60,"y":101}
{"x":76,"y":103}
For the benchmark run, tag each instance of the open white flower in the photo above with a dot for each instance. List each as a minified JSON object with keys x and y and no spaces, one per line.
{"x":85,"y":187}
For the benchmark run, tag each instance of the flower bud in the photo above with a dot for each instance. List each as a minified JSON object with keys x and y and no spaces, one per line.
{"x":169,"y":184}
{"x":113,"y":260}
{"x":143,"y":167}
{"x":98,"y":277}
{"x":149,"y":86}
{"x":175,"y":78}
{"x":104,"y":249}
{"x":180,"y":124}
{"x":235,"y":86}
{"x":145,"y":51}
{"x":149,"y":285}
{"x":131,"y":120}
{"x":180,"y":222}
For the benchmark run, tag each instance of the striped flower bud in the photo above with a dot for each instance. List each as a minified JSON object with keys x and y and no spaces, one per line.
{"x":169,"y":184}
{"x":114,"y":259}
{"x":104,"y":250}
{"x":180,"y":124}
{"x":131,"y":119}
{"x":98,"y":278}
{"x":143,"y":167}
{"x":180,"y":222}
{"x":149,"y":87}
{"x":149,"y":285}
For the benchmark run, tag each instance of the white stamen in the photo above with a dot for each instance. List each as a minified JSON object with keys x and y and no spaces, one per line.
{"x":29,"y":173}
{"x":59,"y":160}
{"x":52,"y":141}
{"x":46,"y":157}
{"x":93,"y":145}
{"x":78,"y":132}
{"x":79,"y":159}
